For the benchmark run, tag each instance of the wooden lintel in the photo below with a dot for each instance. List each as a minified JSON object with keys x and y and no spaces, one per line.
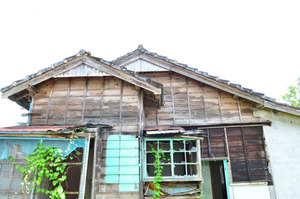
{"x":30,"y":114}
{"x":235,"y":97}
{"x":137,"y":88}
{"x":33,"y":89}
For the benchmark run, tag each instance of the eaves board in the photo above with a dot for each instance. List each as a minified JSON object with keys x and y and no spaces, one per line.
{"x":95,"y":63}
{"x":193,"y":73}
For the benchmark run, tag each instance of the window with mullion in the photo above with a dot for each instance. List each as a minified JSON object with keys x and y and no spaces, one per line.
{"x":181,"y":157}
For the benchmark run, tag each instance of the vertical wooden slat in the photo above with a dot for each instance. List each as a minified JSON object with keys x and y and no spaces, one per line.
{"x":246,"y":154}
{"x":49,"y":103}
{"x":188,"y":98}
{"x":220,"y":106}
{"x":239,"y":108}
{"x":208,"y":144}
{"x":121,"y":102}
{"x":202,"y":94}
{"x":84,"y":99}
{"x":102,"y":99}
{"x":67,"y":101}
{"x":157,"y":117}
{"x":173,"y":102}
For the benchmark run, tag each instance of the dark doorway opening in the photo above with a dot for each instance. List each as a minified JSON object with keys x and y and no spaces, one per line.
{"x":218,"y":182}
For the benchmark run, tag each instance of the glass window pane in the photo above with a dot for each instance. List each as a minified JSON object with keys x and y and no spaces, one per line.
{"x":166,"y":170}
{"x":179,"y":170}
{"x":150,"y":170}
{"x":191,"y":157}
{"x":164,"y":145}
{"x":150,"y":158}
{"x":179,"y":157}
{"x":178,"y":145}
{"x":190,"y":145}
{"x":192,"y":170}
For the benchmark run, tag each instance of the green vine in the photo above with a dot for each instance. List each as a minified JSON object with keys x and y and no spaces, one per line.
{"x":159,"y":156}
{"x":45,"y":163}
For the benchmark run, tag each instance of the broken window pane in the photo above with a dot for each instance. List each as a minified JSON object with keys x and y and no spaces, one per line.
{"x":190,"y":145}
{"x":178,"y":145}
{"x":191,"y":157}
{"x":179,"y":157}
{"x":179,"y":170}
{"x":164,"y":145}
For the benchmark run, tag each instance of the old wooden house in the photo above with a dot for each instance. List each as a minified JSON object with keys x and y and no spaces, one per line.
{"x":219,"y":138}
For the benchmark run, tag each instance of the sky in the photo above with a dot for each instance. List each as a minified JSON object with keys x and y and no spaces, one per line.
{"x":252,"y":43}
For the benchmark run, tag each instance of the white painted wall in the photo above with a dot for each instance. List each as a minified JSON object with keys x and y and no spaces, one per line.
{"x":283,"y":148}
{"x":249,"y":191}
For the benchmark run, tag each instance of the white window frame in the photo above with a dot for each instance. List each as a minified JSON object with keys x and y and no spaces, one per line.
{"x":173,"y":177}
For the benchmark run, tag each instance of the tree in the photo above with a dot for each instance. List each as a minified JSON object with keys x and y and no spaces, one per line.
{"x":293,"y":95}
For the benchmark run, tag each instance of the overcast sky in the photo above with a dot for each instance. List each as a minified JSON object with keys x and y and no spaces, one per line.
{"x":252,"y":43}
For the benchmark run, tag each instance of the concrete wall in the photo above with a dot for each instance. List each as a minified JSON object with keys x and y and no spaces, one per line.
{"x":283,"y":148}
{"x":249,"y":191}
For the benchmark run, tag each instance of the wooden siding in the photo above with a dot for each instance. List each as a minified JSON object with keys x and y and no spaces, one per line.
{"x":71,"y":101}
{"x":189,"y":102}
{"x":246,"y":152}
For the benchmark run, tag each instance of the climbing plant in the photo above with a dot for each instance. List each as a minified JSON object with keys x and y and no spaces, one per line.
{"x":45,"y":164}
{"x":159,"y":156}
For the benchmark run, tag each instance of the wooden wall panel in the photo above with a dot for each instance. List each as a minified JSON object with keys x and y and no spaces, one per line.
{"x":72,"y":101}
{"x":189,"y":102}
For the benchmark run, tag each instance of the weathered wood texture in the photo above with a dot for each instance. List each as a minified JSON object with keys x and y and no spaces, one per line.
{"x":246,"y":149}
{"x":116,"y":167}
{"x":188,"y":102}
{"x":71,"y":101}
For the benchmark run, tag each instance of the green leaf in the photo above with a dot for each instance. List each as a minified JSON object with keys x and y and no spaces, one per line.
{"x":54,"y":182}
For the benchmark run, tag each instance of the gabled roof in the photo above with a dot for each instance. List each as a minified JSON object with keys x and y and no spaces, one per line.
{"x":117,"y":68}
{"x":69,"y":63}
{"x":214,"y":81}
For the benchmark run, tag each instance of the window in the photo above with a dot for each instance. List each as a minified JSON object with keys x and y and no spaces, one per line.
{"x":182,"y":159}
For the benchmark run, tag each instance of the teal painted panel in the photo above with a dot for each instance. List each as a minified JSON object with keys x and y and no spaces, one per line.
{"x":113,"y":153}
{"x":112,"y":170}
{"x":128,"y":138}
{"x":129,"y":179}
{"x":28,"y":144}
{"x":129,"y":144}
{"x":123,"y":161}
{"x":122,"y":157}
{"x":129,"y":153}
{"x":226,"y":177}
{"x":134,"y":187}
{"x":129,"y":170}
{"x":111,"y":179}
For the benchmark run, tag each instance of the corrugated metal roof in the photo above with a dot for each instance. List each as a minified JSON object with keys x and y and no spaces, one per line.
{"x":33,"y":128}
